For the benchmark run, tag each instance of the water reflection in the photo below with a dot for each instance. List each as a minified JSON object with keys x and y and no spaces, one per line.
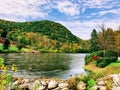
{"x":46,"y":64}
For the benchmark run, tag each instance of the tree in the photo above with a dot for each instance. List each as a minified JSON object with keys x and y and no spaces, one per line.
{"x":6,"y":44}
{"x":4,"y":34}
{"x":110,"y":39}
{"x":94,"y":41}
{"x":106,"y":38}
{"x":117,"y":41}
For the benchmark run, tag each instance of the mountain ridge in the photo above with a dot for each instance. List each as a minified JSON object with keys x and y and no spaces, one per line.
{"x":52,"y":29}
{"x":44,"y":35}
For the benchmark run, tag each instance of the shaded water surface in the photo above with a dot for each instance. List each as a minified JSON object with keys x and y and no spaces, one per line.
{"x":50,"y":65}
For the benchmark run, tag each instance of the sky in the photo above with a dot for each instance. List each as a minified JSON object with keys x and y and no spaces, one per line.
{"x":79,"y":16}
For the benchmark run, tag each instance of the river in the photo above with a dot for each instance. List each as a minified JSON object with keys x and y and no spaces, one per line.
{"x":50,"y":65}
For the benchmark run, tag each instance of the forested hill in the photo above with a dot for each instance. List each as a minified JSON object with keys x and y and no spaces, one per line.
{"x":51,"y":29}
{"x":45,"y":36}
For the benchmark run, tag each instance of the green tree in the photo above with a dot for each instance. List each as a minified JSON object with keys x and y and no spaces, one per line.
{"x":6,"y":44}
{"x":94,"y":41}
{"x":4,"y":34}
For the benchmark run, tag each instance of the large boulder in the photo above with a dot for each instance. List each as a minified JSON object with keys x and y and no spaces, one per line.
{"x":81,"y":86}
{"x":52,"y":84}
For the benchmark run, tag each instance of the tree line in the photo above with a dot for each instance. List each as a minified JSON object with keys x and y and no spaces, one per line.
{"x":106,"y":39}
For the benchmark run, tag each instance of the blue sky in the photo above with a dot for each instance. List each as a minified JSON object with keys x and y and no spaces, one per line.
{"x":79,"y":16}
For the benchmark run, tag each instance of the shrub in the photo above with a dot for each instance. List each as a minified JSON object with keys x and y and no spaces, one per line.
{"x":5,"y":77}
{"x":112,"y":54}
{"x":100,"y":53}
{"x":104,"y":61}
{"x":92,"y":56}
{"x":13,"y":48}
{"x":101,"y":58}
{"x":90,"y":84}
{"x":1,"y":47}
{"x":1,"y":61}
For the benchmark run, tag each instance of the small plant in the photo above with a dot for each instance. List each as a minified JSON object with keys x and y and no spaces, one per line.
{"x":90,"y":84}
{"x":5,"y":77}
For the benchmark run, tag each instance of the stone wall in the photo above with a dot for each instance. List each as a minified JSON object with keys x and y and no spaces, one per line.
{"x":40,"y":84}
{"x":110,"y":82}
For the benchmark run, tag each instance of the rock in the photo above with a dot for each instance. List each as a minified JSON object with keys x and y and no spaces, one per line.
{"x":101,"y":88}
{"x":115,"y":88}
{"x":44,"y":83}
{"x":65,"y":88}
{"x":52,"y":84}
{"x":26,"y":80}
{"x":58,"y":88}
{"x":93,"y":88}
{"x":15,"y":83}
{"x":63,"y":85}
{"x":24,"y":86}
{"x":116,"y":79}
{"x":42,"y":88}
{"x":101,"y":83}
{"x":81,"y":86}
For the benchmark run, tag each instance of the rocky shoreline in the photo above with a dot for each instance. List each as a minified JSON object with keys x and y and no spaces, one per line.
{"x":39,"y":84}
{"x":110,"y":82}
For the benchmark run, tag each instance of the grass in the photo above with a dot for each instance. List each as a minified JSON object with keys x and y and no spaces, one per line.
{"x":113,"y":68}
{"x":1,"y":47}
{"x":9,"y":50}
{"x":117,"y":63}
{"x":97,"y":73}
{"x":13,"y":48}
{"x":25,"y":50}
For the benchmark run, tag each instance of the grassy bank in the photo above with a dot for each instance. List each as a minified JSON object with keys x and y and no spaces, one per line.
{"x":112,"y":68}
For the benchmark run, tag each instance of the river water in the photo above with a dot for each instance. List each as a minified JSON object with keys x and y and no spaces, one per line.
{"x":51,"y":65}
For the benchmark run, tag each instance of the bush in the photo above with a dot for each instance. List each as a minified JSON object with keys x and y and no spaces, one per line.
{"x":101,"y":58}
{"x":90,"y":57}
{"x":112,"y":54}
{"x":104,"y":61}
{"x":100,"y":53}
{"x":90,"y":84}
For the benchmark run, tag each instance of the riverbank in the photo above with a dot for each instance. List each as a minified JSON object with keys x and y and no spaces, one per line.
{"x":108,"y":77}
{"x":109,"y":82}
{"x":100,"y":78}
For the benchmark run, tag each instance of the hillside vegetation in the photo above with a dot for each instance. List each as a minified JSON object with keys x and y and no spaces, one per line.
{"x":45,"y":36}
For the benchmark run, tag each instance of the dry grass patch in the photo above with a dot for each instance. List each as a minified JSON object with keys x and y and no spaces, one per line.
{"x":105,"y":71}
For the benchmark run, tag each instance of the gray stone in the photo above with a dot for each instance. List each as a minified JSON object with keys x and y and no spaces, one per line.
{"x":52,"y":84}
{"x":116,"y":79}
{"x":42,"y":88}
{"x":44,"y":83}
{"x":31,"y":86}
{"x":26,"y":80}
{"x":101,"y":88}
{"x":63,"y":85}
{"x":65,"y":88}
{"x":15,"y":83}
{"x":37,"y":82}
{"x":93,"y":88}
{"x":58,"y":88}
{"x":116,"y":88}
{"x":81,"y":86}
{"x":23,"y":86}
{"x":101,"y":83}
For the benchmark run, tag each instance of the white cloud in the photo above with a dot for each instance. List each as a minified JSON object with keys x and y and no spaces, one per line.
{"x":68,"y":7}
{"x":99,"y":4}
{"x":113,"y":11}
{"x":22,"y":8}
{"x":84,"y":29}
